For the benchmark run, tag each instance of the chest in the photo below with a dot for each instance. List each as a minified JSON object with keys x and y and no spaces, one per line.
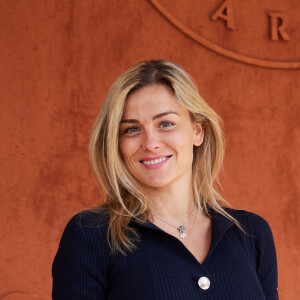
{"x":198,"y":236}
{"x":163,"y":268}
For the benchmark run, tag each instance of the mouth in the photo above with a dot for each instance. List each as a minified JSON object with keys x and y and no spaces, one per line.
{"x":156,"y":161}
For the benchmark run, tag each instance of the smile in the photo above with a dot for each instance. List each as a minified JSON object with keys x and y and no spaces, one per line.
{"x":150,"y":163}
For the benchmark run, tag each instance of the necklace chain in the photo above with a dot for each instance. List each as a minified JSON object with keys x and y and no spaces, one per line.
{"x":193,"y":225}
{"x":180,"y":228}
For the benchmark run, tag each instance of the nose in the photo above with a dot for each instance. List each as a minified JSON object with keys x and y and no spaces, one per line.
{"x":150,"y":140}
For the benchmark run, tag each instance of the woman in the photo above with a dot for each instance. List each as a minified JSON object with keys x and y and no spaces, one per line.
{"x":162,"y":231}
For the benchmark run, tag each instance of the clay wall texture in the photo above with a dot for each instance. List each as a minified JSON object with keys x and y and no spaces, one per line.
{"x":58,"y":60}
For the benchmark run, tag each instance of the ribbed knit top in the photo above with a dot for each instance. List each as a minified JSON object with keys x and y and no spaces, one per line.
{"x":237,"y":267}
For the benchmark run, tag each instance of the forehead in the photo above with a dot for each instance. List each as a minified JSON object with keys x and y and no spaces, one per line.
{"x":152,"y":100}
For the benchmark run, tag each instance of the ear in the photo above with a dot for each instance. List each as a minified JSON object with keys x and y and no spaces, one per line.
{"x":198,"y":133}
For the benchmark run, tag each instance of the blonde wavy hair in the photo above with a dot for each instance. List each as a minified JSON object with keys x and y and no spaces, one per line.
{"x":124,"y":198}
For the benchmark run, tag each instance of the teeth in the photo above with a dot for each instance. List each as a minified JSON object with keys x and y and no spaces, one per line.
{"x":154,"y":161}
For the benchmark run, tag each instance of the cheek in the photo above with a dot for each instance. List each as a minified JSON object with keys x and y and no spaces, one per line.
{"x":182,"y":144}
{"x":127,"y":148}
{"x":181,"y":140}
{"x":123,"y":149}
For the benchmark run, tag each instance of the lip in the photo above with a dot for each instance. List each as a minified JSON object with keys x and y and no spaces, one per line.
{"x":158,"y":165}
{"x":153,"y":157}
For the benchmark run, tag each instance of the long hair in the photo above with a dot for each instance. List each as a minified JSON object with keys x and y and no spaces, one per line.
{"x":124,"y":198}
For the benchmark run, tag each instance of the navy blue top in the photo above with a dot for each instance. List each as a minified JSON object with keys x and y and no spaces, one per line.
{"x":238,"y":266}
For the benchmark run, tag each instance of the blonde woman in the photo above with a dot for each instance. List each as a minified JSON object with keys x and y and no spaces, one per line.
{"x":163,"y":231}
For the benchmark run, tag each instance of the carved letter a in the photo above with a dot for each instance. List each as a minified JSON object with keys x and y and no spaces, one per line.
{"x":225,"y":12}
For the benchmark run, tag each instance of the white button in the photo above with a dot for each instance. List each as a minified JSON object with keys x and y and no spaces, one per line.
{"x":204,"y":283}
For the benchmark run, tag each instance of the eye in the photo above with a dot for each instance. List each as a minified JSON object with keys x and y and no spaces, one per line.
{"x":131,"y":130}
{"x":166,"y":124}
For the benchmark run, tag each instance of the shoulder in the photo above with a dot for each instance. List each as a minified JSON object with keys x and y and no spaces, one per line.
{"x":90,"y":218}
{"x":251,"y":222}
{"x":82,"y":259}
{"x":256,"y":228}
{"x":257,"y":232}
{"x":87,"y":227}
{"x":259,"y":236}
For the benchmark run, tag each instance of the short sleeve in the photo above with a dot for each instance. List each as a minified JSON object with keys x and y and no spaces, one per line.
{"x":266,"y":260}
{"x":80,"y":266}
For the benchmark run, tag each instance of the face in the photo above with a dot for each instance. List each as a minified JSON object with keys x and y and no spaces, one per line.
{"x":157,"y":137}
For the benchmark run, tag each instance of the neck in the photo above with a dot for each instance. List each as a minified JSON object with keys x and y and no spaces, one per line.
{"x":171,"y":203}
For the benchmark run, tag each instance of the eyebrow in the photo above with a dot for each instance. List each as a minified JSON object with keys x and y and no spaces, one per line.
{"x":154,"y":117}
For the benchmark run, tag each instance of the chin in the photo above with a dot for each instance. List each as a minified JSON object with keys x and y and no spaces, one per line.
{"x":155,"y":183}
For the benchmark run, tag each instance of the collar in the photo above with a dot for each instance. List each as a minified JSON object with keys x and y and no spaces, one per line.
{"x":219,"y":226}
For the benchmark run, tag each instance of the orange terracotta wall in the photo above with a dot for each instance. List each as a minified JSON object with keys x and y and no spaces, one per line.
{"x":58,"y":59}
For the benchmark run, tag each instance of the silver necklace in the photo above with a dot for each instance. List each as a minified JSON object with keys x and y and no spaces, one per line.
{"x":180,"y":228}
{"x":193,"y":225}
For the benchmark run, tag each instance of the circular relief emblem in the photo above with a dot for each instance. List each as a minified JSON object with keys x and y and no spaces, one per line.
{"x":260,"y":33}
